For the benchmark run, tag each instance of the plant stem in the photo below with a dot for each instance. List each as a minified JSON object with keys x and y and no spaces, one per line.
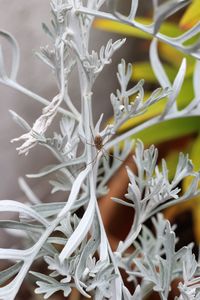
{"x":38,"y":98}
{"x":149,"y":29}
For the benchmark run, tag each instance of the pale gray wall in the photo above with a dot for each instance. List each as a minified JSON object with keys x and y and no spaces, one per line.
{"x":23,"y":19}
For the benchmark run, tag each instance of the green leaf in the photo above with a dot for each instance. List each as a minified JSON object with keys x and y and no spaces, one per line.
{"x":168,"y":130}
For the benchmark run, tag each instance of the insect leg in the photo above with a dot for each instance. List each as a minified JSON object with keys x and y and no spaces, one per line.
{"x":113,"y":156}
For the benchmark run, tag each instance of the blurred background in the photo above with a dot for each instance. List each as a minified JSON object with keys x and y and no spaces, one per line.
{"x":23,"y":20}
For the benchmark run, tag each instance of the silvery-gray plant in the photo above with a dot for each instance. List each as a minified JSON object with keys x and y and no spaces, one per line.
{"x":84,"y":259}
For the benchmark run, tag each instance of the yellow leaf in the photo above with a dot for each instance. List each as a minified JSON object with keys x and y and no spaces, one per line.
{"x":114,"y":26}
{"x":153,"y":111}
{"x":167,"y":28}
{"x":195,"y":157}
{"x":143,"y":70}
{"x":194,"y":205}
{"x":195,"y":154}
{"x":174,"y":57}
{"x":196,"y":219}
{"x":184,"y":98}
{"x":171,"y":159}
{"x":191,"y":16}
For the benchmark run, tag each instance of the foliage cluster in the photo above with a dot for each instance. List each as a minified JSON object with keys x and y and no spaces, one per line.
{"x":70,"y":236}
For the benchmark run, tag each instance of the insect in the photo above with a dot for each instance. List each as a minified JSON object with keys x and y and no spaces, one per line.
{"x":98,"y":143}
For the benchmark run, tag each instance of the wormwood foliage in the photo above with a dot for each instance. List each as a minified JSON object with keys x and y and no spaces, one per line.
{"x":74,"y":245}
